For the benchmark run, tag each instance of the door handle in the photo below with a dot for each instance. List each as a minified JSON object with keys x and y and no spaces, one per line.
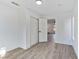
{"x":39,"y":31}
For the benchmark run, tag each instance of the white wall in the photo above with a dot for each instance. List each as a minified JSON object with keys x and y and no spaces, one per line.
{"x":9,"y":27}
{"x":14,"y":27}
{"x":63,"y":27}
{"x":63,"y":30}
{"x":68,"y":31}
{"x":75,"y":14}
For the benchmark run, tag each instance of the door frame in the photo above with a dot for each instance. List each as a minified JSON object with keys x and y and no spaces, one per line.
{"x":38,"y":29}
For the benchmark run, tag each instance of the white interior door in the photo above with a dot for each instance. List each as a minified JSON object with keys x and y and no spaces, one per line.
{"x":42,"y":30}
{"x":34,"y":31}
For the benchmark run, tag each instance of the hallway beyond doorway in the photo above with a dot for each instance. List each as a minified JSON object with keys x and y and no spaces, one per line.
{"x":51,"y":29}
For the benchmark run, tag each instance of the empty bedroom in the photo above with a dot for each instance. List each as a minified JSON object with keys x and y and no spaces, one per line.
{"x":38,"y":29}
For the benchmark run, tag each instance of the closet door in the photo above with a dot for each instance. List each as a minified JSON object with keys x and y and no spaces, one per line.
{"x":34,"y":31}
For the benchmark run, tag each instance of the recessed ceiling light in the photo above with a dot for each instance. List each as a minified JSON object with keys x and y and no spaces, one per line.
{"x":38,"y":2}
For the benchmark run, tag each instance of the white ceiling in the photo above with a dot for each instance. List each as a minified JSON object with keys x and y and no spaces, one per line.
{"x":48,"y":7}
{"x":51,"y":6}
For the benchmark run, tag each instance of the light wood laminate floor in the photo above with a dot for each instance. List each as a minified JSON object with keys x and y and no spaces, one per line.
{"x":45,"y":51}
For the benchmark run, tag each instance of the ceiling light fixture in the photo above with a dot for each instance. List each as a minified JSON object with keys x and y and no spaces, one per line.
{"x":38,"y":2}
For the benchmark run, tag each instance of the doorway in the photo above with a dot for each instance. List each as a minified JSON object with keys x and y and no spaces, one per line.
{"x":51,"y":29}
